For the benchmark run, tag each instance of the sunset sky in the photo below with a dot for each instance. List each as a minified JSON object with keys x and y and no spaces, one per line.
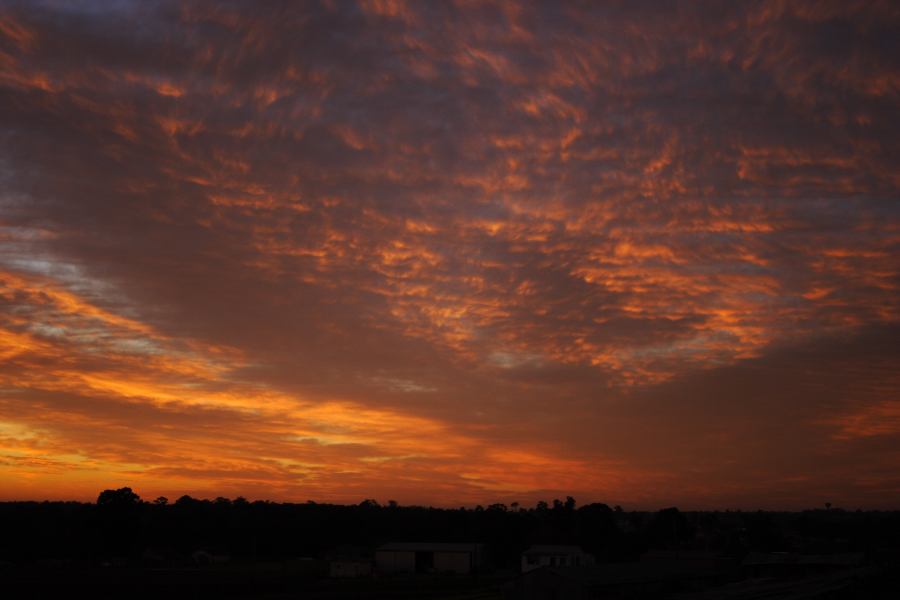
{"x":451,"y":253}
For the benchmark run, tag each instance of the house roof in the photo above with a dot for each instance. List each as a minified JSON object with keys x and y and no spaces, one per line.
{"x":429,"y":547}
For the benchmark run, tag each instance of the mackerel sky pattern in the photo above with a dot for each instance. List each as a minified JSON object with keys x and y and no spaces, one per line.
{"x":451,"y":252}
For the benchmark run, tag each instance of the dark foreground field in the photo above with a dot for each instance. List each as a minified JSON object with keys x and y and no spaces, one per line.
{"x":122,"y":547}
{"x":265,"y":581}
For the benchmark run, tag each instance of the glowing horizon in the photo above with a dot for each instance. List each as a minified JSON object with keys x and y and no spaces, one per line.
{"x":455,"y":253}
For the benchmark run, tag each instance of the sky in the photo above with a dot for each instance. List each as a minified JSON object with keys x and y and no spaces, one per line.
{"x":451,"y":253}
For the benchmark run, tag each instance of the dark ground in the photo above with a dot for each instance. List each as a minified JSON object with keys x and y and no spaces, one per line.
{"x":123,"y":547}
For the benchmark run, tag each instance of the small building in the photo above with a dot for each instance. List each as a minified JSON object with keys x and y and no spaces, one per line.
{"x":555,"y":556}
{"x":460,"y":559}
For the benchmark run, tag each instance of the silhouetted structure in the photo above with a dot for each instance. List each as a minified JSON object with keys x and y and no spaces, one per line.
{"x":461,"y":559}
{"x":555,"y":556}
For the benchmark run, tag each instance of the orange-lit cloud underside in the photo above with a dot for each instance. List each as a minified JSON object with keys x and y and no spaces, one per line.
{"x":451,"y":252}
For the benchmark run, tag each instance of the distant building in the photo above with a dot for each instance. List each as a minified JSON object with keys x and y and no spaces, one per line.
{"x":461,"y":559}
{"x":555,"y":556}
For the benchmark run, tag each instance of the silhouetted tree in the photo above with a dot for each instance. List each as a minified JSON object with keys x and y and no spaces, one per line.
{"x":597,"y":531}
{"x":122,"y":497}
{"x":669,"y":528}
{"x":118,"y":520}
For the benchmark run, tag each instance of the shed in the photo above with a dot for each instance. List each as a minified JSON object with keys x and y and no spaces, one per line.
{"x":555,"y":556}
{"x":429,"y":557}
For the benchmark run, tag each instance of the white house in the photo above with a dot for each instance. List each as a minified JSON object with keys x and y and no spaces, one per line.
{"x":555,"y":556}
{"x":461,"y":559}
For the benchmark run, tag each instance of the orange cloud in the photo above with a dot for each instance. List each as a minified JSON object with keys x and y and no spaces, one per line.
{"x":317,"y":252}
